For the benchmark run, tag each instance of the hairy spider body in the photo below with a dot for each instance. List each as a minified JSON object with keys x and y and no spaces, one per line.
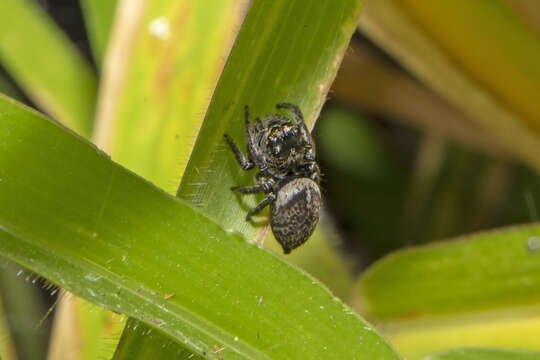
{"x":284,"y":153}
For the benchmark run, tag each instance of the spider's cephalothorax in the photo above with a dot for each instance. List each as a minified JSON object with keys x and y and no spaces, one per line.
{"x":284,"y":153}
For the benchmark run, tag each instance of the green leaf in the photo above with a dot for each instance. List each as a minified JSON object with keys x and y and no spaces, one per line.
{"x":363,"y":81}
{"x":286,"y":51}
{"x":484,"y":290}
{"x":320,"y":258}
{"x":487,"y":354}
{"x":479,"y":55}
{"x":176,"y":56}
{"x":99,"y":16}
{"x":153,"y":112}
{"x":483,"y":271}
{"x":76,"y":218}
{"x":44,"y":62}
{"x":271,"y":62}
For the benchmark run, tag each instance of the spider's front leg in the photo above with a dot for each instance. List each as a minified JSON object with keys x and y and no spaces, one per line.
{"x":298,"y":117}
{"x":245,"y":163}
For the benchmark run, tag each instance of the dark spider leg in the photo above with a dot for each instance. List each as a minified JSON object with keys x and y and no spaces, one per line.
{"x":244,"y":162}
{"x":249,"y":127}
{"x":265,"y":185}
{"x":276,"y":119}
{"x":295,"y":110}
{"x":253,"y":152}
{"x":271,"y":197}
{"x":252,"y":189}
{"x":251,"y":135}
{"x":260,"y":125}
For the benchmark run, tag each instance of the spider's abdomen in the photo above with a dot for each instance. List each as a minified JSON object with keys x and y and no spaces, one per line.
{"x":295,"y":212}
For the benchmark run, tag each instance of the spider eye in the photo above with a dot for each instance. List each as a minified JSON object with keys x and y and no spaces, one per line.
{"x":276,"y":150}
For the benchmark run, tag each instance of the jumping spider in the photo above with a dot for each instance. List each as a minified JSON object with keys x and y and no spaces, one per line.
{"x":284,"y":153}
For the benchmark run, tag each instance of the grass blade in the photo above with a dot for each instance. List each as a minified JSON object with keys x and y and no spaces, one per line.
{"x":76,"y":218}
{"x":271,"y":62}
{"x":156,"y":108}
{"x":59,"y":79}
{"x":99,"y":16}
{"x":481,"y":290}
{"x":477,"y":54}
{"x":286,"y":51}
{"x":483,"y":271}
{"x":177,"y":54}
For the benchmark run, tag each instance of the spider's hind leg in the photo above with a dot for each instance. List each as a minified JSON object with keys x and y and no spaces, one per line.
{"x":271,"y":197}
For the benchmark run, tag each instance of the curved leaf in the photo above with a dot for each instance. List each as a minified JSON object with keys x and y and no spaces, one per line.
{"x":163,"y":62}
{"x":47,"y":65}
{"x":477,"y":54}
{"x":482,"y":271}
{"x":99,"y":17}
{"x":86,"y":224}
{"x":484,"y":289}
{"x":286,"y":51}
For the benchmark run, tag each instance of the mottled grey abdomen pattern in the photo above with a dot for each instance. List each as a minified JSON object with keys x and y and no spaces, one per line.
{"x":295,"y":212}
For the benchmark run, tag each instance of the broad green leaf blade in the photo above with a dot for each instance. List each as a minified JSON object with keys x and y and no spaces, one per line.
{"x":286,"y":51}
{"x":99,"y":16}
{"x":482,"y":271}
{"x":151,"y":114}
{"x":485,"y":354}
{"x":47,"y":65}
{"x":478,"y":54}
{"x":76,"y":218}
{"x":484,"y":290}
